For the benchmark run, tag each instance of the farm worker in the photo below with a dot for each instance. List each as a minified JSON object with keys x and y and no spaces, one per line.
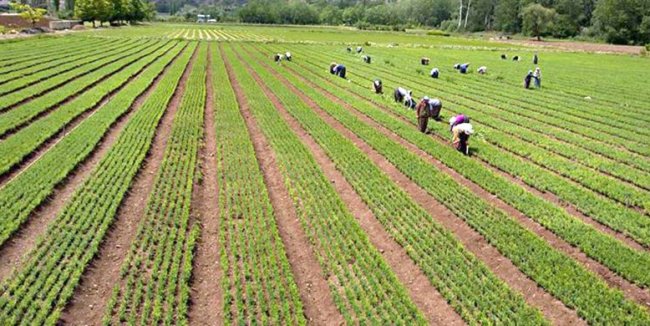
{"x":535,"y":59}
{"x":349,"y":49}
{"x":366,"y":59}
{"x":463,"y":68}
{"x":400,"y":94}
{"x":277,"y":57}
{"x":408,"y":101}
{"x":435,"y":106}
{"x":359,"y":49}
{"x":515,"y":58}
{"x":288,"y":56}
{"x":527,"y":79}
{"x":378,"y":86}
{"x":424,"y":61}
{"x":461,"y":133}
{"x":454,"y":121}
{"x":337,"y":69}
{"x":537,"y":75}
{"x":423,"y":114}
{"x":434,"y":73}
{"x":504,"y":57}
{"x":482,"y":70}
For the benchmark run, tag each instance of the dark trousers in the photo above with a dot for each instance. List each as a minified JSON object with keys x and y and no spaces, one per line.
{"x":398,"y":96}
{"x":422,"y":124}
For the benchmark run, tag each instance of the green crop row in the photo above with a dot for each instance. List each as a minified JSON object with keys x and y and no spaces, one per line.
{"x":27,"y":77}
{"x":58,"y":88}
{"x":42,"y":50}
{"x":602,"y":209}
{"x":363,"y":287}
{"x":37,"y":293}
{"x":37,"y":66}
{"x":20,"y":196}
{"x":557,"y":273}
{"x":19,"y":146}
{"x":470,"y":287}
{"x":623,"y":260}
{"x":154,"y":279}
{"x":506,"y":136}
{"x":250,"y":244}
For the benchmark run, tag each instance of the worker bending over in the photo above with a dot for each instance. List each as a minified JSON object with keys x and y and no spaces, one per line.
{"x":379,"y":88}
{"x":461,"y":133}
{"x":366,"y":59}
{"x":482,"y":70}
{"x":424,"y":61}
{"x":288,"y":56}
{"x":527,"y":79}
{"x":277,"y":57}
{"x":425,"y":110}
{"x":359,"y":49}
{"x":434,"y":73}
{"x":337,"y":69}
{"x":454,"y":121}
{"x":462,"y":68}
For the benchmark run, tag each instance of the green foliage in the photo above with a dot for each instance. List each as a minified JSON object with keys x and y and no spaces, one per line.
{"x":28,"y":13}
{"x":623,"y":21}
{"x":537,"y":20}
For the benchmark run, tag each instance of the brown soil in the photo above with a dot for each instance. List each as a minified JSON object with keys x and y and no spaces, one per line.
{"x":552,"y":308}
{"x":423,"y":294}
{"x":206,"y":296}
{"x":630,"y":290}
{"x":13,"y":251}
{"x":580,"y":46}
{"x":314,"y":291}
{"x":95,"y":288}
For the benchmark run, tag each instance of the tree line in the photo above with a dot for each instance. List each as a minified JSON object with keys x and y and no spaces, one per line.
{"x":615,"y":21}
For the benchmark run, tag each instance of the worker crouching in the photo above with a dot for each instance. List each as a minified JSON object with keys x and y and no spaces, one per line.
{"x":461,"y":134}
{"x":337,"y":69}
{"x":377,"y":86}
{"x":424,"y":61}
{"x":427,"y":109}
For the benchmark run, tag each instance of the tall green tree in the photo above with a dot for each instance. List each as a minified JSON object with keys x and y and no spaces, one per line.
{"x":28,"y":13}
{"x":537,"y":20}
{"x":620,"y":21}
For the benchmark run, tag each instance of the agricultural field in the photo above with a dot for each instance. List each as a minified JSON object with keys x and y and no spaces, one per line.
{"x":176,"y":174}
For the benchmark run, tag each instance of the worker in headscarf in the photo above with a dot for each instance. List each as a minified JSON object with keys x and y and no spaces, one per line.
{"x":435,"y":106}
{"x":515,"y":58}
{"x":456,"y":120}
{"x":359,"y":49}
{"x":424,"y":61}
{"x":366,"y":59}
{"x":349,"y":49}
{"x":423,"y":113}
{"x":537,"y":76}
{"x":378,"y":87}
{"x":400,"y":94}
{"x":277,"y":57}
{"x":463,"y":68}
{"x":535,"y":59}
{"x":482,"y":70}
{"x":503,"y":56}
{"x":288,"y":56}
{"x":434,"y":73}
{"x":337,"y":69}
{"x":409,"y":102}
{"x":527,"y":79}
{"x":461,"y":133}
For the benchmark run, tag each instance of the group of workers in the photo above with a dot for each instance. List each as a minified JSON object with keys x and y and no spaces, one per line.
{"x":278,"y":57}
{"x":535,"y":76}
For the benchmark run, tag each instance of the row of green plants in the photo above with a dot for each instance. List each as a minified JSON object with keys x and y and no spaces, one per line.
{"x":154,"y":278}
{"x":26,"y":103}
{"x":28,"y":139}
{"x":37,"y":66}
{"x":363,"y":287}
{"x":556,"y":272}
{"x":29,"y":77}
{"x":620,"y":258}
{"x":26,"y":51}
{"x":37,"y":293}
{"x":604,"y":210}
{"x":467,"y":284}
{"x":538,"y":109}
{"x":258,"y":285}
{"x":26,"y":191}
{"x":501,"y":107}
{"x":60,"y":87}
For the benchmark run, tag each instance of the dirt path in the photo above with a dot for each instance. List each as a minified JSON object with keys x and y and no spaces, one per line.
{"x":207,"y":296}
{"x":578,"y":46}
{"x":91,"y":295}
{"x":314,"y":290}
{"x":630,"y":290}
{"x":14,"y":250}
{"x":423,"y":294}
{"x":552,"y":308}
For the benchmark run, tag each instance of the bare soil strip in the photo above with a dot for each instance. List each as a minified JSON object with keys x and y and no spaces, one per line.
{"x":207,"y":296}
{"x":312,"y":285}
{"x":630,"y":290}
{"x":423,"y":294}
{"x":552,"y":308}
{"x":91,"y":295}
{"x":70,"y":98}
{"x":14,"y":250}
